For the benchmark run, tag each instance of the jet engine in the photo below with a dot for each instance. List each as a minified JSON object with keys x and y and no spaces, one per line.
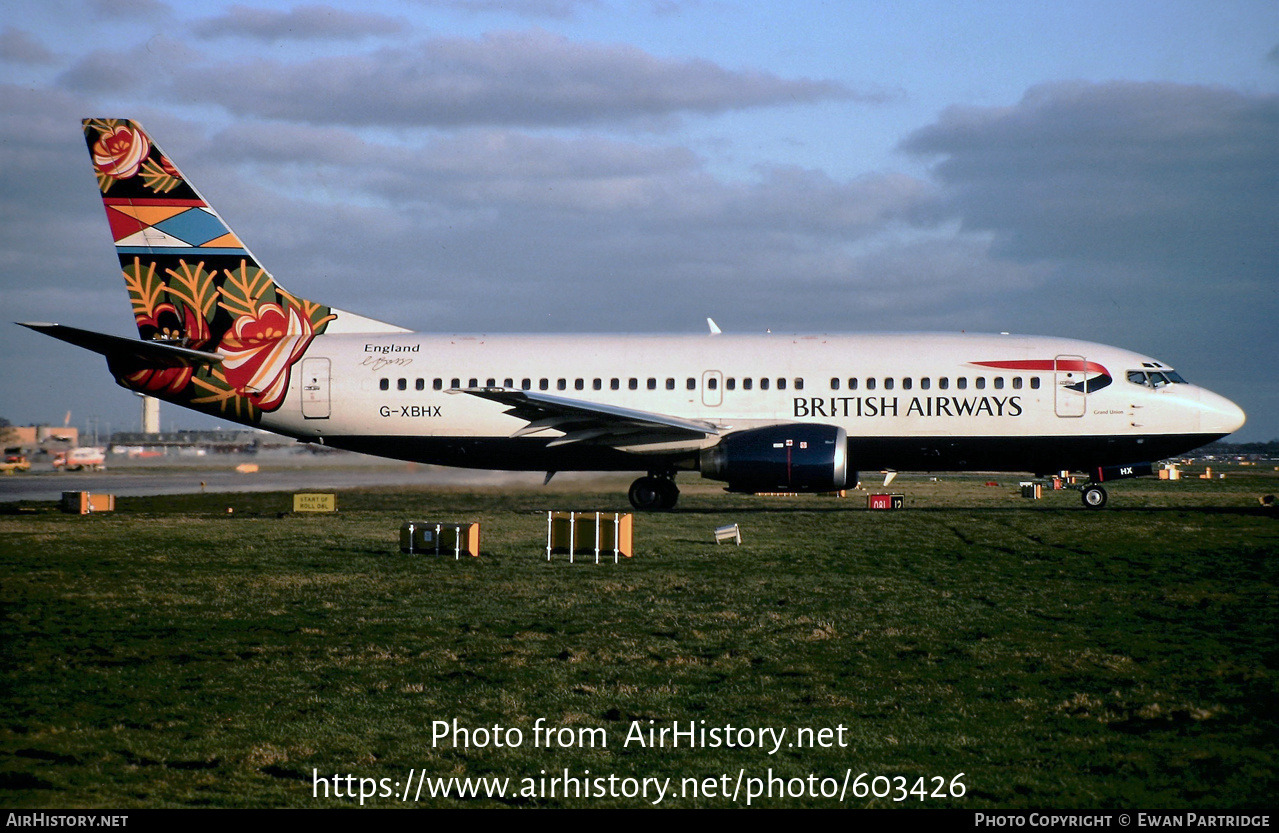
{"x":781,"y":458}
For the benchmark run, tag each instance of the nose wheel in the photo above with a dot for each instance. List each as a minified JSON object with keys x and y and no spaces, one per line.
{"x":653,"y":492}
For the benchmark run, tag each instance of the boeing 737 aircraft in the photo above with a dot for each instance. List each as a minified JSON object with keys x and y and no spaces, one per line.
{"x":763,"y":413}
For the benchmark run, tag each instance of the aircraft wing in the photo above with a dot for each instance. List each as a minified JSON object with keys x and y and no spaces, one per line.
{"x":594,"y":422}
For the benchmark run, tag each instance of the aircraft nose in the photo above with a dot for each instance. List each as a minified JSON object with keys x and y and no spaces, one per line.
{"x":1218,"y":415}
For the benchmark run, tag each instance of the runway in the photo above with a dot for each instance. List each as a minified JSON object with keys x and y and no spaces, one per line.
{"x":282,"y":471}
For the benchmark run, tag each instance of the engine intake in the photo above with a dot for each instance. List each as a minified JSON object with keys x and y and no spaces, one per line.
{"x":780,"y":458}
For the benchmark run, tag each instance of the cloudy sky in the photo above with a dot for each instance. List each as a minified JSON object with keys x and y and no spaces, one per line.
{"x":1101,"y":170}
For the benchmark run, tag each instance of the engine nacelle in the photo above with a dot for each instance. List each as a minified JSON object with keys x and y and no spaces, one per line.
{"x":781,"y":458}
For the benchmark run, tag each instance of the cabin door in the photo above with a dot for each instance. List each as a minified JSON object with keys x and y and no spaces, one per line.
{"x":1070,"y":387}
{"x":315,"y":388}
{"x":712,"y":388}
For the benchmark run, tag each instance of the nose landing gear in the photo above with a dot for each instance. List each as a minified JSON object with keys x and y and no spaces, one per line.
{"x":654,"y":492}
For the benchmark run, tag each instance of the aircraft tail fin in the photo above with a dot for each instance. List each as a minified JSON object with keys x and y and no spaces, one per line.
{"x":190,"y":278}
{"x":232,"y":333}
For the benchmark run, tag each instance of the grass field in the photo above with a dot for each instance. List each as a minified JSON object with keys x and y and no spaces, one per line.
{"x":174,"y":655}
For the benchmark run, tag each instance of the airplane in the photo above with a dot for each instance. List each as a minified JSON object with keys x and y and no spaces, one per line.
{"x":762,"y":413}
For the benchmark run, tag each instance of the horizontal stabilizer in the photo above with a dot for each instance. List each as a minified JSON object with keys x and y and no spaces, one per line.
{"x":153,"y":353}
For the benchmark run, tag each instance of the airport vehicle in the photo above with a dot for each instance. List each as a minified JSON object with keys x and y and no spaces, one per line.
{"x":79,"y":459}
{"x":14,"y":463}
{"x":763,"y":413}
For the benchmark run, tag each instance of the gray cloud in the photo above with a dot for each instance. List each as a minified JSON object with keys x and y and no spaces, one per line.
{"x":508,"y":78}
{"x":554,"y":9}
{"x":19,"y":47}
{"x":117,"y":71}
{"x":314,"y":22}
{"x":1176,"y":177}
{"x":129,"y":9}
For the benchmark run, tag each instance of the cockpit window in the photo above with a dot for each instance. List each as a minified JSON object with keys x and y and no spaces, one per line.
{"x":1155,"y":378}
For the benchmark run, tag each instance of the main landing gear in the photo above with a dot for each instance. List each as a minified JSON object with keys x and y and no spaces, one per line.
{"x":1094,"y":496}
{"x":656,"y":491}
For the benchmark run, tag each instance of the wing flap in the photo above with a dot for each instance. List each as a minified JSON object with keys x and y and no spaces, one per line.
{"x":593,"y":422}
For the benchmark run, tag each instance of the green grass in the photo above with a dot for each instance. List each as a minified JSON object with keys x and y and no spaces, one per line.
{"x":174,"y":655}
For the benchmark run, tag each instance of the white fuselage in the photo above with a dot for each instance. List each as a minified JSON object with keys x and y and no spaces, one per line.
{"x":941,"y":392}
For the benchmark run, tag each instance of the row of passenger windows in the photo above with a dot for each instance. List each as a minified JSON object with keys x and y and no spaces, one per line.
{"x":632,"y":383}
{"x":943,"y":383}
{"x":730,"y":383}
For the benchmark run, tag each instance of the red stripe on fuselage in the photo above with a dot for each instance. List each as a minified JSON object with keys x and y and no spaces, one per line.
{"x":1046,"y":364}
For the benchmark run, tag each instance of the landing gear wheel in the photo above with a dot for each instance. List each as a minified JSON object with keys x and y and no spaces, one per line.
{"x":670,"y":493}
{"x":1094,"y":496}
{"x":648,"y":494}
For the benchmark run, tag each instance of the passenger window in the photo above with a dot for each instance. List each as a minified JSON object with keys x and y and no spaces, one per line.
{"x":962,"y":383}
{"x":870,"y":383}
{"x":799,"y":383}
{"x":384,"y":384}
{"x":888,"y":383}
{"x":633,"y":383}
{"x":691,"y":384}
{"x":1016,"y":383}
{"x":834,"y":384}
{"x":544,"y":384}
{"x":730,"y":383}
{"x":508,"y":383}
{"x":597,"y":384}
{"x":614,"y":384}
{"x":579,"y":384}
{"x":999,"y":383}
{"x":747,"y":383}
{"x":473,"y":383}
{"x":490,"y":383}
{"x":401,"y":384}
{"x":781,"y":384}
{"x":437,"y":384}
{"x":943,"y":383}
{"x":1034,"y":383}
{"x":670,"y":384}
{"x":652,"y":383}
{"x":420,"y":384}
{"x":907,"y":383}
{"x":712,"y":383}
{"x":852,"y":384}
{"x":457,"y":383}
{"x":981,"y":383}
{"x":763,"y":384}
{"x":925,"y":383}
{"x":526,"y":384}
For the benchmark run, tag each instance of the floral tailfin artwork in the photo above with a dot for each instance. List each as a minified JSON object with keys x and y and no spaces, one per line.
{"x":193,"y":284}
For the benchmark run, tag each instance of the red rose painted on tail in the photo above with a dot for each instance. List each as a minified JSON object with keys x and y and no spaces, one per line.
{"x":119,"y":152}
{"x":261,"y":348}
